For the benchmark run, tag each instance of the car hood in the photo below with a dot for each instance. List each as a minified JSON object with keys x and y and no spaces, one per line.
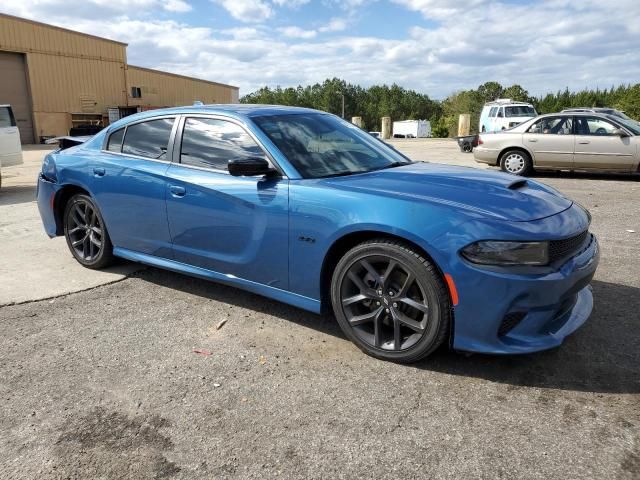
{"x":483,"y":193}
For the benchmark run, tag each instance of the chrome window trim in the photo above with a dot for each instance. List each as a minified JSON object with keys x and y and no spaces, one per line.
{"x":170,"y":144}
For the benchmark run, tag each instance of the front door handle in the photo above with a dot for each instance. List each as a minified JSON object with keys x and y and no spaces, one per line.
{"x":533,"y":139}
{"x":177,"y":191}
{"x":585,"y":142}
{"x":99,"y":172}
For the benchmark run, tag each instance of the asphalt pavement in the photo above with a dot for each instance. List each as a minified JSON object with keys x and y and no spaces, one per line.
{"x":159,"y":375}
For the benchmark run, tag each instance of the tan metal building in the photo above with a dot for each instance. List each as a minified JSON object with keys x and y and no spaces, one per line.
{"x":56,"y":79}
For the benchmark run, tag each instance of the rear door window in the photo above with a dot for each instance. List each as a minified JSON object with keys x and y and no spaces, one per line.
{"x":6,"y":118}
{"x":492,"y":112}
{"x":211,"y":143}
{"x":148,"y":139}
{"x":553,"y":125}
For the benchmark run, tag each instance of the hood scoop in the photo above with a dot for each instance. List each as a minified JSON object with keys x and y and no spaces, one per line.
{"x":517,"y":184}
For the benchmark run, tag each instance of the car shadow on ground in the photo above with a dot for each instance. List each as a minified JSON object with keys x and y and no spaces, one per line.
{"x":16,"y":194}
{"x":601,"y":357}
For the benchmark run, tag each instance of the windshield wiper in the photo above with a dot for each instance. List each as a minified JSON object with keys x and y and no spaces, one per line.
{"x":391,"y":165}
{"x":343,"y":174}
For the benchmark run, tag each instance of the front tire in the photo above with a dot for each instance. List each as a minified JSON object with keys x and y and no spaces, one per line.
{"x":86,"y":234}
{"x":390,"y":301}
{"x":516,"y":162}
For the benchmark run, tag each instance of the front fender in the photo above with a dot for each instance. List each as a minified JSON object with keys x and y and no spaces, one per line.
{"x":319,"y":218}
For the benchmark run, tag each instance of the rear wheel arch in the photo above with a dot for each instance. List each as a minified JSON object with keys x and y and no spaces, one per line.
{"x":520,"y":149}
{"x":60,"y":203}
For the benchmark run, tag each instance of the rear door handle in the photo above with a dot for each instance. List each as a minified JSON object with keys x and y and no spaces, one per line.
{"x":585,"y":142}
{"x":533,"y":139}
{"x":99,"y":172}
{"x":177,"y":191}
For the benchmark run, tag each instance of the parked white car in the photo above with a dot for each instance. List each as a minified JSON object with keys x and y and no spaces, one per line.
{"x":503,"y":114}
{"x":10,"y":147}
{"x":564,"y":141}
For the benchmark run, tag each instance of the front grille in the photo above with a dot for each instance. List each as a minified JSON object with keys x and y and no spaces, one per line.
{"x":510,"y":321}
{"x":559,"y":249}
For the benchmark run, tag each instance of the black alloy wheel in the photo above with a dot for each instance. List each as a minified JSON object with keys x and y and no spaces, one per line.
{"x":390,"y":301}
{"x":86,"y":234}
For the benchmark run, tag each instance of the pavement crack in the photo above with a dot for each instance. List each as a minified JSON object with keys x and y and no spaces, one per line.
{"x":408,"y":411}
{"x":67,"y":294}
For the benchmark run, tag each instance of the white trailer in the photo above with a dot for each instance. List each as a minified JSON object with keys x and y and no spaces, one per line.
{"x":412,"y":129}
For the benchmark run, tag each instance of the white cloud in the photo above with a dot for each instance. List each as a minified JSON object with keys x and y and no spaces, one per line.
{"x":336,"y":24}
{"x":297,"y":32}
{"x":545,"y":47}
{"x":290,"y":3}
{"x":250,"y":11}
{"x":177,"y":6}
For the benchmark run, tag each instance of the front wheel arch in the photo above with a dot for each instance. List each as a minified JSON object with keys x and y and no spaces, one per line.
{"x":348,"y":241}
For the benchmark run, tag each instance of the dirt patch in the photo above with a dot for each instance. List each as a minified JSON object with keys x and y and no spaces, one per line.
{"x":111,"y":444}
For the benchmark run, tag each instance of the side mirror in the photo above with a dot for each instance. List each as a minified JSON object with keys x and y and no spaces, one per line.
{"x":249,"y":167}
{"x":619,"y":132}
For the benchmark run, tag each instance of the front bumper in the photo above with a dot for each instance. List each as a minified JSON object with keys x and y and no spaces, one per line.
{"x":547,"y":307}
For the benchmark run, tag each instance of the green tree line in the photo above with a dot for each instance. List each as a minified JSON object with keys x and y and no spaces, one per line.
{"x":394,"y":101}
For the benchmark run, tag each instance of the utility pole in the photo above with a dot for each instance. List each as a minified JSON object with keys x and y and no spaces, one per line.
{"x":342,"y":94}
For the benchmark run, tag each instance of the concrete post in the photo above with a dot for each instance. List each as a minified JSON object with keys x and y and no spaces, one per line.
{"x":386,"y":127}
{"x":464,"y":124}
{"x":357,"y":121}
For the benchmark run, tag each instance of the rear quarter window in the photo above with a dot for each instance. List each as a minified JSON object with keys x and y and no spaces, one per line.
{"x":114,"y":143}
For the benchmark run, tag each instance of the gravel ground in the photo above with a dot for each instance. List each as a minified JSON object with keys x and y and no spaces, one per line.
{"x":106,"y":384}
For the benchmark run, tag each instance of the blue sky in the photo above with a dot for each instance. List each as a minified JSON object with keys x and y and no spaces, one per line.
{"x":434,"y":46}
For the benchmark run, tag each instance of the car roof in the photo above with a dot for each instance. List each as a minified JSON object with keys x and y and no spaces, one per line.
{"x":234,"y":110}
{"x":244,"y":109}
{"x":577,"y":114}
{"x":591,"y":109}
{"x":506,"y":102}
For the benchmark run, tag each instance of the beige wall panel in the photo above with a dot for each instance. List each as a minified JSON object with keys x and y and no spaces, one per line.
{"x":59,"y":84}
{"x":26,"y":36}
{"x":52,"y":124}
{"x":161,"y":89}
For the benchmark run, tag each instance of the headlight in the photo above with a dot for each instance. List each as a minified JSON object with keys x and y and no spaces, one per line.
{"x":507,"y":253}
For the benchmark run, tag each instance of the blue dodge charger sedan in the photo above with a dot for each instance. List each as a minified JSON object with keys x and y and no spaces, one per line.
{"x":302,"y":207}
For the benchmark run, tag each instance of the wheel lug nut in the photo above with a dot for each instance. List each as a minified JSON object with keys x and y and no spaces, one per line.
{"x":377,"y":303}
{"x":391,"y":293}
{"x":395,"y":305}
{"x":387,"y":310}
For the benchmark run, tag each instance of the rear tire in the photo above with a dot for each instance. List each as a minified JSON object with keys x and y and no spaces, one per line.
{"x":86,"y":233}
{"x":516,"y":162}
{"x":390,"y":301}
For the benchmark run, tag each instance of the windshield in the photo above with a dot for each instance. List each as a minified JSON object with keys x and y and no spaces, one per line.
{"x":320,"y":145}
{"x":619,"y":114}
{"x":520,"y":111}
{"x":630,"y":125}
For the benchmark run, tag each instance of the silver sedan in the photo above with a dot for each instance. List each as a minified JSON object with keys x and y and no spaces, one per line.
{"x":564,"y":141}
